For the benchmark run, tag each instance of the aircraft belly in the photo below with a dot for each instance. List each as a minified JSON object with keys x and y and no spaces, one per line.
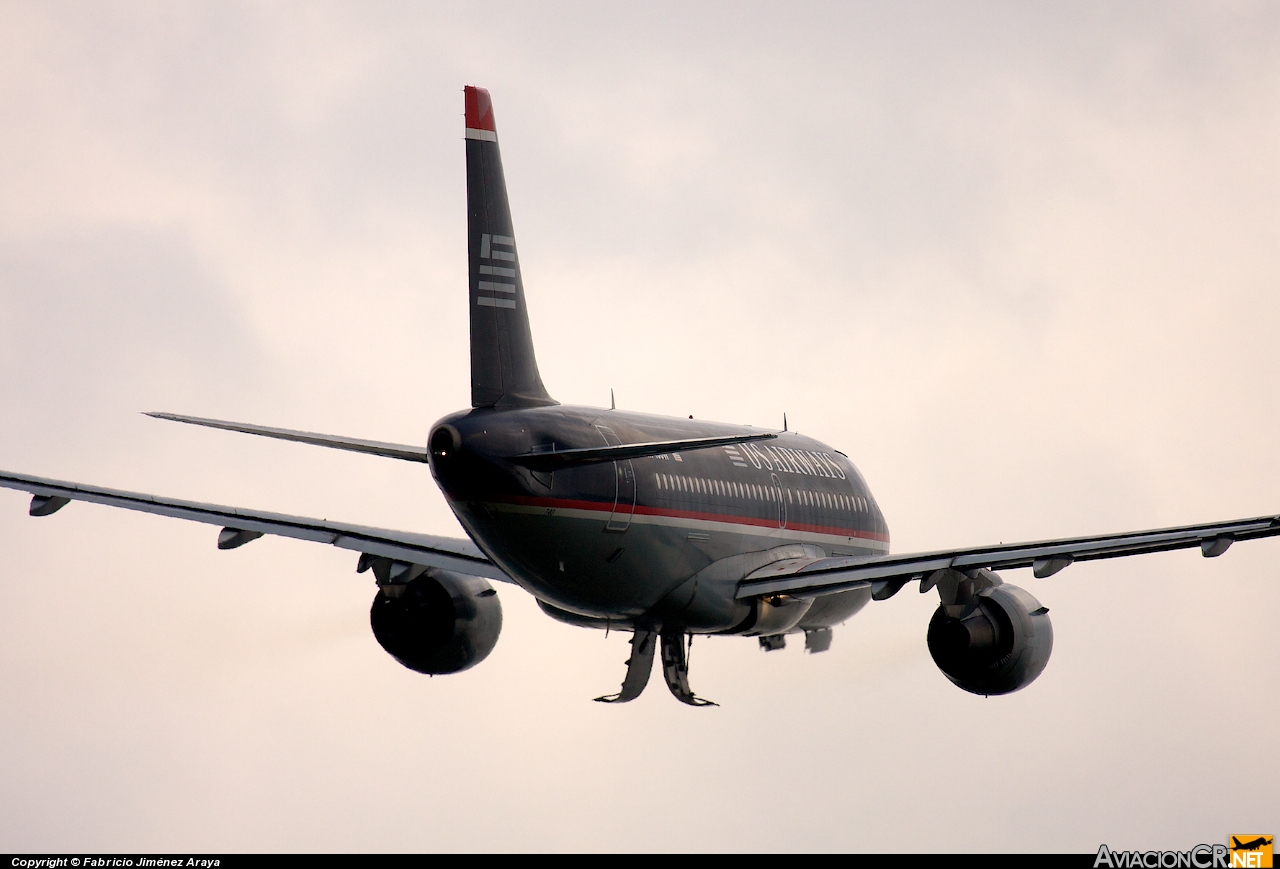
{"x":566,"y":556}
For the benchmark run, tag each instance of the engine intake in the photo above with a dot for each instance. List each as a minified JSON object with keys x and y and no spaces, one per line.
{"x":438,"y":623}
{"x":995,"y":644}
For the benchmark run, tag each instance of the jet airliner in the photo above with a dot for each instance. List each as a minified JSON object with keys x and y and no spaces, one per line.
{"x":658,"y":526}
{"x":1251,"y":845}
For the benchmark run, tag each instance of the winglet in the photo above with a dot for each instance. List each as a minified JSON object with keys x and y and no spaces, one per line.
{"x":479,"y":108}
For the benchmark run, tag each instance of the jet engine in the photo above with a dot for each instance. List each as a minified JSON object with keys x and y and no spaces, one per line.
{"x":440,"y":622}
{"x":996,"y":643}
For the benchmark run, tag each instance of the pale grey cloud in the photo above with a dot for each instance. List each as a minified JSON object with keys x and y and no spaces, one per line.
{"x":1018,"y":261}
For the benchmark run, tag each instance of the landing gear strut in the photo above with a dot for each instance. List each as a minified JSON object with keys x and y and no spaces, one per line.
{"x":675,"y":667}
{"x":639,"y":665}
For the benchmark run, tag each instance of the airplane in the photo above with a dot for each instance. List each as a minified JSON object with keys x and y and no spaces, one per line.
{"x":1251,"y":845}
{"x":663,"y":527}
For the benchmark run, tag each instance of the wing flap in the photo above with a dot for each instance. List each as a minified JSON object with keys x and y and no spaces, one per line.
{"x":428,"y":550}
{"x":815,"y":577}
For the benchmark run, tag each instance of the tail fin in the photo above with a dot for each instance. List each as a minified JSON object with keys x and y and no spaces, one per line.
{"x":504,"y":372}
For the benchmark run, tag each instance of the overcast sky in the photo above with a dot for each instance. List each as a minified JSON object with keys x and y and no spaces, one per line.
{"x":1019,"y":261}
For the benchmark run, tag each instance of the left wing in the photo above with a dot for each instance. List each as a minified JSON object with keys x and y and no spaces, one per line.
{"x":240,"y":526}
{"x":885,"y":574}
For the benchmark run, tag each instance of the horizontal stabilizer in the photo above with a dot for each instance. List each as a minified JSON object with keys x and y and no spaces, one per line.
{"x":337,"y":442}
{"x":595,"y":455}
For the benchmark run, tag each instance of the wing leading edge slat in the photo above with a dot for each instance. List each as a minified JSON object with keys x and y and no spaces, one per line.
{"x":429,"y":550}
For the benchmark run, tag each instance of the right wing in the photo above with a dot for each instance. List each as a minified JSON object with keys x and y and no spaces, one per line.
{"x":885,"y":574}
{"x":239,"y":526}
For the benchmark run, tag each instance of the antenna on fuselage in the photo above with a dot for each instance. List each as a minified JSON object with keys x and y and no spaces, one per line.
{"x":784,"y":422}
{"x":613,"y":405}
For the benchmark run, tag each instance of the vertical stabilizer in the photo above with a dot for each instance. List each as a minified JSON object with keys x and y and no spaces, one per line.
{"x":504,"y":372}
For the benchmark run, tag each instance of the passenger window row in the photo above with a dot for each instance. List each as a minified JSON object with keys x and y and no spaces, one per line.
{"x":756,"y":492}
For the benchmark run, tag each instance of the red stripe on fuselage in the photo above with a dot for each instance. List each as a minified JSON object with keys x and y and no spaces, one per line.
{"x":640,"y":509}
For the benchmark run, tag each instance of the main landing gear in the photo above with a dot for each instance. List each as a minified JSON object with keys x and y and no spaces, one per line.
{"x":675,"y":667}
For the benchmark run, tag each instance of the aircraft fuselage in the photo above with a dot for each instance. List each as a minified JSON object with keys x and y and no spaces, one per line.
{"x":621,"y":540}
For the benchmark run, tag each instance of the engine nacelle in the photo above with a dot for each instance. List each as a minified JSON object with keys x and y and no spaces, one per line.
{"x":441,"y":622}
{"x":997,"y":643}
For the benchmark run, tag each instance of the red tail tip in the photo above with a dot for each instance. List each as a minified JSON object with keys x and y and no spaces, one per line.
{"x":479,"y":109}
